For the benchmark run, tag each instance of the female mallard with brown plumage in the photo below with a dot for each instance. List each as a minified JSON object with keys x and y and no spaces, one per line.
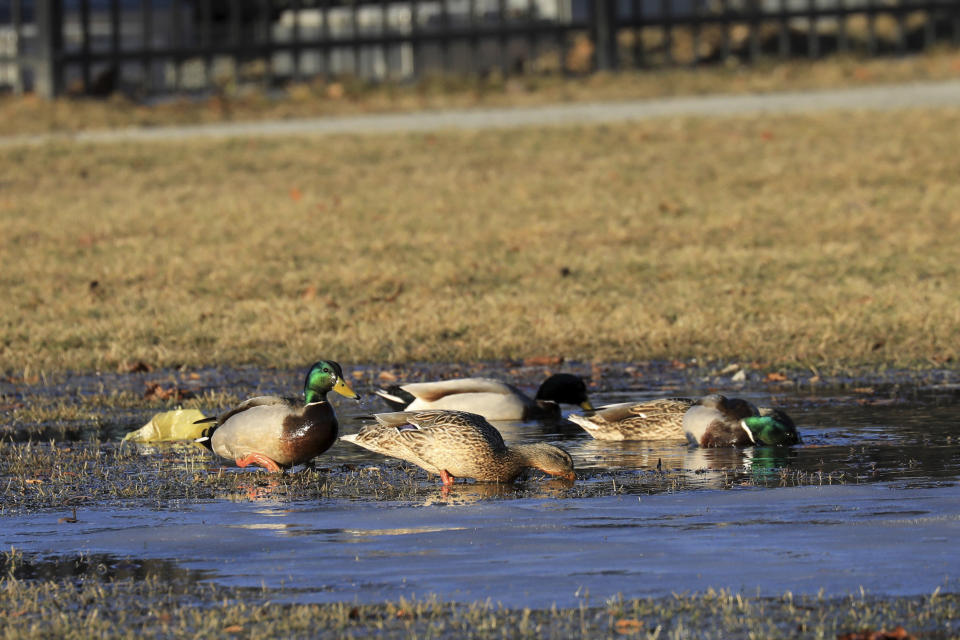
{"x":456,"y":444}
{"x":660,"y":419}
{"x":277,"y":433}
{"x":718,"y":421}
{"x":492,"y":399}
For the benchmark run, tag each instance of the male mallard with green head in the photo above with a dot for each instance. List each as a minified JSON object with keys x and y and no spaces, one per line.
{"x":660,"y":419}
{"x":455,"y":444}
{"x":718,"y":421}
{"x":492,"y":399}
{"x":277,"y":433}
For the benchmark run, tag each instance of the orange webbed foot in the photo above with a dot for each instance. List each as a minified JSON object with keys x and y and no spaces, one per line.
{"x":448,"y":479}
{"x":260,"y":460}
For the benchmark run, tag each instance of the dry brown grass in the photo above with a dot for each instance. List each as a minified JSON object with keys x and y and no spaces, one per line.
{"x":792,"y":240}
{"x":21,"y":115}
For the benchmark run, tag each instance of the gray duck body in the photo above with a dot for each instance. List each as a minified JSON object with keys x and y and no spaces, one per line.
{"x":283,"y":429}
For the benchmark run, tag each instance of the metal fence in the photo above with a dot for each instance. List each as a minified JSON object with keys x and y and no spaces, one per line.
{"x":146,"y":47}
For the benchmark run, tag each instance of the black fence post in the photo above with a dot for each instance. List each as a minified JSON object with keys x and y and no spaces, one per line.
{"x":605,"y":34}
{"x":48,"y":72}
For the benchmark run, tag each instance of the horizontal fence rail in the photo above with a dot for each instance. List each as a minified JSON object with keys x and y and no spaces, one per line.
{"x":148,"y":47}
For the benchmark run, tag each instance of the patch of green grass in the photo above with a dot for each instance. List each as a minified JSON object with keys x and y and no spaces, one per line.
{"x":818,"y":241}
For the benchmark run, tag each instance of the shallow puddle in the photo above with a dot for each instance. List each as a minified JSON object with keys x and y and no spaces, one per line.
{"x":870,"y":499}
{"x":886,"y":538}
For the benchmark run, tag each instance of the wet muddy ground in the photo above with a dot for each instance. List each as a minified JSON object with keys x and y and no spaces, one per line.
{"x":869,"y":501}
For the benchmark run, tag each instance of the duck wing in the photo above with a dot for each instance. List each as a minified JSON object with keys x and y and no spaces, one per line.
{"x":259,"y":401}
{"x":433,"y":391}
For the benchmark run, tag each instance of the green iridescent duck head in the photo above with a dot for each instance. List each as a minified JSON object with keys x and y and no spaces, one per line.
{"x":773,"y":427}
{"x":325,"y":376}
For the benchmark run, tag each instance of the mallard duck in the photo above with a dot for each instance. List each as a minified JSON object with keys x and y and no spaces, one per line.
{"x":718,"y":421}
{"x":277,"y":433}
{"x":456,"y":444}
{"x":773,"y":427}
{"x":648,"y":420}
{"x":492,"y":399}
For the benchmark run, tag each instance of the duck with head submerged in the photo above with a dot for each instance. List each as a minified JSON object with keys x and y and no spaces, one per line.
{"x":718,"y":421}
{"x":455,"y":444}
{"x":660,"y":419}
{"x":492,"y":399}
{"x":275,"y":432}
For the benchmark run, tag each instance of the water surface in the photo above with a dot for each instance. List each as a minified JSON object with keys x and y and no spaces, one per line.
{"x":870,"y":499}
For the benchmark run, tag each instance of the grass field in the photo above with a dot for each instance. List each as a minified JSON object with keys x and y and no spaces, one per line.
{"x":156,"y":600}
{"x":818,"y":241}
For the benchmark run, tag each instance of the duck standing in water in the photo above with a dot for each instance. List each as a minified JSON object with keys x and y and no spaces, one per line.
{"x":455,"y":444}
{"x":718,"y":421}
{"x":275,"y":432}
{"x":660,"y":419}
{"x":492,"y":399}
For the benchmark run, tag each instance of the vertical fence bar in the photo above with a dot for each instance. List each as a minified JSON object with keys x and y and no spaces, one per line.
{"x":604,"y":34}
{"x":813,"y":37}
{"x":783,"y":44}
{"x":695,"y":33}
{"x":415,"y":35}
{"x":206,"y":39}
{"x":930,"y":28}
{"x":49,"y":73}
{"x":754,"y":17}
{"x":636,"y":7}
{"x":84,"y":43}
{"x":115,"y":37}
{"x":234,"y":37}
{"x":502,"y":36}
{"x":724,"y":30}
{"x":474,"y":35}
{"x":325,"y":35}
{"x":444,"y":36}
{"x":533,"y":40}
{"x":355,"y":33}
{"x":265,"y":27}
{"x":843,"y":42}
{"x":16,"y":21}
{"x":146,"y":37}
{"x":901,"y":27}
{"x":295,"y":7}
{"x":871,"y":27}
{"x":561,"y":37}
{"x":176,"y":16}
{"x":385,"y":33}
{"x":666,"y":24}
{"x":955,"y":31}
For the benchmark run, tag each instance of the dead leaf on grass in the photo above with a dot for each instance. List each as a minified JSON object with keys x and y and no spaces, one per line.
{"x":774,"y":376}
{"x":628,"y":625}
{"x":136,"y":366}
{"x":897,"y":633}
{"x":155,"y":391}
{"x":542,"y":361}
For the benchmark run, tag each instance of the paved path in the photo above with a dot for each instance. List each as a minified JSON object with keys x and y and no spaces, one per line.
{"x":880,"y":98}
